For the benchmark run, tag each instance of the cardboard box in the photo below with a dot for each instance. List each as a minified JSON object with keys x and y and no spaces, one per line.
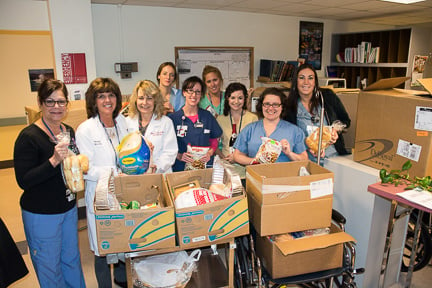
{"x":134,"y":230}
{"x":211,"y":223}
{"x":349,"y":100}
{"x":76,"y":113}
{"x":280,"y":201}
{"x":301,"y":256}
{"x":394,"y":126}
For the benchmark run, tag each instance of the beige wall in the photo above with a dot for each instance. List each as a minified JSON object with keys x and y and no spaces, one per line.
{"x":19,"y":52}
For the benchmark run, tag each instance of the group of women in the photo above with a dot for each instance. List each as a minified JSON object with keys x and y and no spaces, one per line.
{"x":175,"y":122}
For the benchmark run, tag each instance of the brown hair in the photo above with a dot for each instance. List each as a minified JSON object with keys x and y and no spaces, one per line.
{"x":101,"y":85}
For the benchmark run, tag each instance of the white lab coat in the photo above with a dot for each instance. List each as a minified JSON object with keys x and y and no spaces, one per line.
{"x":160,"y":132}
{"x":93,"y":142}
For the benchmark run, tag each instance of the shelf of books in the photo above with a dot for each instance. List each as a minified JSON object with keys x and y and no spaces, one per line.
{"x":276,"y":71}
{"x":371,"y":55}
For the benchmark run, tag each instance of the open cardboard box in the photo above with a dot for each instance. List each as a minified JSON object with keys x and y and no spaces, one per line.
{"x":281,"y":201}
{"x":303,"y":255}
{"x":134,"y":230}
{"x":393,"y":126}
{"x":208,"y":223}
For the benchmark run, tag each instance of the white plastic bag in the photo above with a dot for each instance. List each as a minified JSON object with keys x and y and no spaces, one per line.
{"x":167,"y":270}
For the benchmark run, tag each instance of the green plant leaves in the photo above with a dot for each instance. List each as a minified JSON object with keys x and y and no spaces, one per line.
{"x":397,"y":177}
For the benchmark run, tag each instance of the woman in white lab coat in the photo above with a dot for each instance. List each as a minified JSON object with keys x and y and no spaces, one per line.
{"x":98,"y":137}
{"x":146,"y":110}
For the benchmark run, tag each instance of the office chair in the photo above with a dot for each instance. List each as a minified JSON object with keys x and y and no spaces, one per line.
{"x":250,"y":273}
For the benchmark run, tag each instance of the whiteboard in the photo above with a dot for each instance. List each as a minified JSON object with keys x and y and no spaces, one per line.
{"x":235,"y":63}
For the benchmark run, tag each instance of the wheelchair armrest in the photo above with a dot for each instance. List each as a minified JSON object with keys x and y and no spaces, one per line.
{"x":338,"y":217}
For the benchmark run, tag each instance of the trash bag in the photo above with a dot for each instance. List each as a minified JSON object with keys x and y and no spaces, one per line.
{"x":169,"y":270}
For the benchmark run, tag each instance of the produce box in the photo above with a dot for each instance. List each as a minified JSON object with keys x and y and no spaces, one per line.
{"x":134,"y":230}
{"x":281,"y":201}
{"x":209,"y":223}
{"x":303,"y":255}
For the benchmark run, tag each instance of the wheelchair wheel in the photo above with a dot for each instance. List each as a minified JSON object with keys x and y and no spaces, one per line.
{"x":242,"y":263}
{"x":424,"y":246}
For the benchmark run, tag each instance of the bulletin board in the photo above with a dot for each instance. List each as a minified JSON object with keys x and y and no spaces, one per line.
{"x":235,"y":63}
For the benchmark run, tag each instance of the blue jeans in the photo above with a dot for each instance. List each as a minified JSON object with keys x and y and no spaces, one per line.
{"x":53,"y":245}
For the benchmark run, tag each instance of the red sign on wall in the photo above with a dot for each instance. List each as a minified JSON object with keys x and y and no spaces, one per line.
{"x":74,"y":68}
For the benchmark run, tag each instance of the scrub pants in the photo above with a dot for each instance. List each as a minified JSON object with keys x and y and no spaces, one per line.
{"x":53,"y":244}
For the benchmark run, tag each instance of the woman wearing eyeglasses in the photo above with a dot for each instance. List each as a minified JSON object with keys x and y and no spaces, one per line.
{"x":194,"y":126}
{"x":304,"y":107}
{"x":166,"y":77}
{"x":270,"y":108}
{"x":49,"y":209}
{"x":146,"y":115}
{"x":98,"y":137}
{"x":214,"y":100}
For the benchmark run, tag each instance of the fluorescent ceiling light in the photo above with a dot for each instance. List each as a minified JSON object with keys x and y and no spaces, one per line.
{"x":404,"y":1}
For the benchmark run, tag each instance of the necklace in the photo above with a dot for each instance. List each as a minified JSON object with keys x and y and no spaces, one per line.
{"x":50,"y":131}
{"x":142,"y":128}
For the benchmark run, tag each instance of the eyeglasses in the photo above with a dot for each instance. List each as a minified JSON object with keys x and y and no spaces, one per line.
{"x":51,"y":103}
{"x":190,"y":91}
{"x":273,"y":105}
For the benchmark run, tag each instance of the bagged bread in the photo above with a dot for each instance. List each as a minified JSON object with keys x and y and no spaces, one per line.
{"x":74,"y":166}
{"x":268,"y":152}
{"x":195,"y":197}
{"x":312,"y":140}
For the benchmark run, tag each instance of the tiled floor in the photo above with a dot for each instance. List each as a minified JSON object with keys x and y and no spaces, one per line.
{"x":11,"y":214}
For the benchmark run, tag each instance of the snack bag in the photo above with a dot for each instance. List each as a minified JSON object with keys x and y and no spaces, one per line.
{"x":268,"y":152}
{"x":197,"y":152}
{"x":134,"y":154}
{"x":196,"y":196}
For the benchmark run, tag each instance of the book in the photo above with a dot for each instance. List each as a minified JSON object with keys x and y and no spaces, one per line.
{"x":265,"y":67}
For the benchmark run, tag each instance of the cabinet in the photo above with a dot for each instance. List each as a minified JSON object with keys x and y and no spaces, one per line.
{"x":393,"y":55}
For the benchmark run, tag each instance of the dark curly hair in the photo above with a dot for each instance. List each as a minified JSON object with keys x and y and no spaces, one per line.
{"x":231,"y":88}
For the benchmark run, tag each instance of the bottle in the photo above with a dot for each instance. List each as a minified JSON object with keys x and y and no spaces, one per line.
{"x":233,"y":137}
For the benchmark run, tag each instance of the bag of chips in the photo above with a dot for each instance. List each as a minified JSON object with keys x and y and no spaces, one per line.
{"x":268,"y":152}
{"x":197,"y":152}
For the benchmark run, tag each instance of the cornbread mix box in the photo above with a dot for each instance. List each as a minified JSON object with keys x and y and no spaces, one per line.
{"x":140,"y":229}
{"x":394,"y":126}
{"x":302,"y":255}
{"x":209,"y":223}
{"x":281,"y":201}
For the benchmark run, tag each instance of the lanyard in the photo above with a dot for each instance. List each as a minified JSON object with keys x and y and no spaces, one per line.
{"x":220,"y":102}
{"x":240,"y":123}
{"x":109,"y":138}
{"x":50,"y":131}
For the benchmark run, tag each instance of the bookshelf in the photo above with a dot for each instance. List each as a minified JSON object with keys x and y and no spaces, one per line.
{"x":393,"y":55}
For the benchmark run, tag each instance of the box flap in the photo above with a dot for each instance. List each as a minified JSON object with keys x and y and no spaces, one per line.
{"x":426,"y":83}
{"x":312,"y":243}
{"x":386,"y":83}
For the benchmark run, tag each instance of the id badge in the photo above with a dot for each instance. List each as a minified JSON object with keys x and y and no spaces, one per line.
{"x":181,"y":132}
{"x":198,"y":124}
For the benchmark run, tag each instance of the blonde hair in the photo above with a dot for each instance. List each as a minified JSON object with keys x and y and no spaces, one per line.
{"x":150,"y":89}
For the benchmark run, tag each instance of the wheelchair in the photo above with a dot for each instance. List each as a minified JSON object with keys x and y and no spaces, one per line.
{"x":249,"y":271}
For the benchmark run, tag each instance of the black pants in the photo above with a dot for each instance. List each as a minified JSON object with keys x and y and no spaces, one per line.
{"x":103,"y":272}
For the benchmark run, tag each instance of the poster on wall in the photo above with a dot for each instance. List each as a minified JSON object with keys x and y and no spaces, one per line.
{"x":37,"y":76}
{"x":310,"y":43}
{"x":74,"y":68}
{"x":418,"y":69}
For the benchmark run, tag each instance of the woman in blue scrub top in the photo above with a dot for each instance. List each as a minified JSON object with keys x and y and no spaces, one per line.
{"x":194,"y":126}
{"x":270,"y":108}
